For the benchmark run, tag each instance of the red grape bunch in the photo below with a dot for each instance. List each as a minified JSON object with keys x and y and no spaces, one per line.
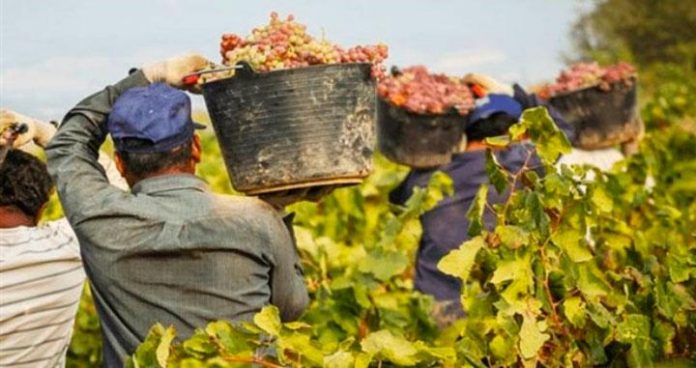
{"x":420,"y":92}
{"x":583,"y":75}
{"x":284,"y":43}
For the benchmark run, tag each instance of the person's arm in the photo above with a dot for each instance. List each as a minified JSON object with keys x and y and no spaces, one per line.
{"x":41,"y":132}
{"x":288,"y":290}
{"x":74,"y":150}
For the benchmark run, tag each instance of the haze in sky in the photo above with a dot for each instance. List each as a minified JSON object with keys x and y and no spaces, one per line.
{"x":52,"y":54}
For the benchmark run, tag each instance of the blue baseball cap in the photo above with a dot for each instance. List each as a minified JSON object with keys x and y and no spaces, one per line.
{"x":155,"y":118}
{"x":493,"y":104}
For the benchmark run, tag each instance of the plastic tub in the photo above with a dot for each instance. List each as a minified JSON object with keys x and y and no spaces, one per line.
{"x":418,"y":140}
{"x":295,"y":128}
{"x":602,"y":118}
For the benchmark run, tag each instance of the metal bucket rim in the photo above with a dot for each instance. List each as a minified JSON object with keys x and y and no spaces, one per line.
{"x":286,"y":70}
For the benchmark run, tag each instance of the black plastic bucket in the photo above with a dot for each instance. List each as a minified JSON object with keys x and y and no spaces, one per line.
{"x":602,"y":118}
{"x":418,"y":140}
{"x":295,"y":128}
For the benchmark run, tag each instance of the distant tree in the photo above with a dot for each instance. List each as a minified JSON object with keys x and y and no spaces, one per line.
{"x":645,"y":32}
{"x":658,"y":37}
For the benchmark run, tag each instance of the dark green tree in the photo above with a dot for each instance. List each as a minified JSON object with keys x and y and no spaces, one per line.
{"x":648,"y":32}
{"x":658,"y":37}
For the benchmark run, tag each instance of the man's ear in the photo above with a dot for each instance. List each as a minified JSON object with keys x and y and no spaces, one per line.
{"x":196,"y":148}
{"x":118,"y":161}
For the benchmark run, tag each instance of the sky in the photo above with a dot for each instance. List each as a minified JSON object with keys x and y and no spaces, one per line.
{"x":54,"y":53}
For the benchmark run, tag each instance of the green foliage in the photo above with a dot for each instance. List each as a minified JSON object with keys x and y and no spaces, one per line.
{"x":363,"y":307}
{"x":645,"y":32}
{"x":576,"y":272}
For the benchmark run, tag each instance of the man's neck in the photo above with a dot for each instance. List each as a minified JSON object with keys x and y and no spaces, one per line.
{"x":165,"y":172}
{"x":11,"y":217}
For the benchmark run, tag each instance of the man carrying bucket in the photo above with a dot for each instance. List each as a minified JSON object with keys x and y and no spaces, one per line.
{"x":445,"y":226}
{"x":602,"y":158}
{"x":169,"y":250}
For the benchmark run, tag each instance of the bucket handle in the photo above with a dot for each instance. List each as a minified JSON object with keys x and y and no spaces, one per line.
{"x":243,"y":69}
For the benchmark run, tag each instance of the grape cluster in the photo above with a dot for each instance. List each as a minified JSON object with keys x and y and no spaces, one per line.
{"x":283,"y":44}
{"x":584,"y":75}
{"x":420,"y":92}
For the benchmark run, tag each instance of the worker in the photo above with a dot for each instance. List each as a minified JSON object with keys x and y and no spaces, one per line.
{"x":445,"y":227}
{"x":170,"y":250}
{"x":602,"y":158}
{"x":41,"y":274}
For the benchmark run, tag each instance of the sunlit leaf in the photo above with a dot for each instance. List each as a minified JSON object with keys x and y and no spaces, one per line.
{"x":458,"y":262}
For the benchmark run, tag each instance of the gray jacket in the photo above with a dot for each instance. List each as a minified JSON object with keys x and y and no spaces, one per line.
{"x":169,"y":251}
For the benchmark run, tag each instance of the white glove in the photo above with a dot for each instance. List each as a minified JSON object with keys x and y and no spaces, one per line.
{"x":39,"y":131}
{"x":173,"y":70}
{"x":489,"y":84}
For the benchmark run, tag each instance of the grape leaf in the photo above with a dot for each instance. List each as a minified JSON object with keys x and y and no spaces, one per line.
{"x":199,"y":345}
{"x":512,"y":269}
{"x":268,"y":319}
{"x":393,"y":348}
{"x":496,"y":174}
{"x":500,"y":141}
{"x":573,"y":243}
{"x":532,"y":337}
{"x":634,"y":329}
{"x":458,"y":262}
{"x":475,"y":213}
{"x":503,"y":349}
{"x":574,"y":310}
{"x":601,"y":199}
{"x":234,"y":340}
{"x":550,"y":142}
{"x":512,"y":236}
{"x":148,"y":353}
{"x":440,"y":186}
{"x":339,"y":359}
{"x":300,"y":344}
{"x":384,"y":264}
{"x":164,"y":346}
{"x":536,"y":210}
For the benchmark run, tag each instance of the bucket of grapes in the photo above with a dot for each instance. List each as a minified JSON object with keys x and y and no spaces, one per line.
{"x":421,"y":117}
{"x":296,"y":112}
{"x":600,"y":102}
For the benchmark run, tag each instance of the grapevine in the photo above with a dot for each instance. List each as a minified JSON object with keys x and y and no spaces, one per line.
{"x":420,"y":92}
{"x":285,"y":44}
{"x":583,"y":75}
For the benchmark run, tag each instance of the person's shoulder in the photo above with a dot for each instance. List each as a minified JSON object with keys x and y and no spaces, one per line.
{"x":242,"y":203}
{"x":61,"y":228}
{"x":261,"y":212}
{"x":256,"y":215}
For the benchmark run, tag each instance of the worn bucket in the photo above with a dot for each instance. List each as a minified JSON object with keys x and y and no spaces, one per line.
{"x":295,"y":128}
{"x":602,"y":118}
{"x":418,"y":140}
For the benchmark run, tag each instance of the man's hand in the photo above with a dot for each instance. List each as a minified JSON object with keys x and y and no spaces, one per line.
{"x":489,"y":84}
{"x":173,"y":70}
{"x":39,"y":131}
{"x":279,"y":200}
